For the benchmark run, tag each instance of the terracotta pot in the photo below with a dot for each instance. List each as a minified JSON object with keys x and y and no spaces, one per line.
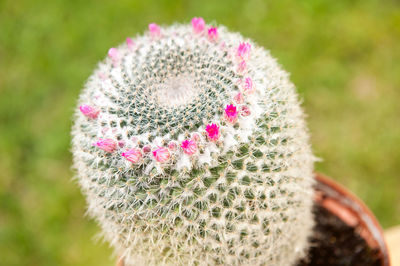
{"x":350,"y":209}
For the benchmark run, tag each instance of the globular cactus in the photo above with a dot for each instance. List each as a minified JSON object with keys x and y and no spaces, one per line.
{"x":191,"y":148}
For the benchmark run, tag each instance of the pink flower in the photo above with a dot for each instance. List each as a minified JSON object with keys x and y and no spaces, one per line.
{"x":130,"y":43}
{"x":113,"y":53}
{"x":231,"y":113}
{"x":89,"y":111}
{"x":243,"y":51}
{"x":155,"y":30}
{"x":161,"y":154}
{"x":133,"y":155}
{"x":242,"y":67}
{"x":198,"y":25}
{"x":212,"y":132}
{"x":213,"y":34}
{"x":244,"y":110}
{"x":107,"y":145}
{"x":248,"y":87}
{"x":238,"y":98}
{"x":189,"y":146}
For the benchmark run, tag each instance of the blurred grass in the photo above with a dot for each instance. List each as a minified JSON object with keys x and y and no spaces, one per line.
{"x":343,"y":55}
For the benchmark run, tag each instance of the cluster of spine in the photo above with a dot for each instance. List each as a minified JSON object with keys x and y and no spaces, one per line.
{"x":191,"y":148}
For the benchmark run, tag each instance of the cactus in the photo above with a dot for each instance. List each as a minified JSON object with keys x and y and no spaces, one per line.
{"x":191,"y":148}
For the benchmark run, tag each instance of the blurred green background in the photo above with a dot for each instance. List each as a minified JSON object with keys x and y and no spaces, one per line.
{"x":343,"y":55}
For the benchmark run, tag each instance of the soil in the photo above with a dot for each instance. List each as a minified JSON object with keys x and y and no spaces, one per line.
{"x":335,"y":243}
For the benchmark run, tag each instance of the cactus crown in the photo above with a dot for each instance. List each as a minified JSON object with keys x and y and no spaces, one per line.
{"x":191,"y":148}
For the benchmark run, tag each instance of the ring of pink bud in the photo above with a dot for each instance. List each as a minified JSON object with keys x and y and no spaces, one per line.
{"x":189,"y":146}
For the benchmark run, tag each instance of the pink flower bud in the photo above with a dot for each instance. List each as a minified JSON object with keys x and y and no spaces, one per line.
{"x":231,"y":113}
{"x":89,"y":111}
{"x":195,"y":136}
{"x":130,"y":43}
{"x":161,"y":154}
{"x":245,"y":111}
{"x":213,"y":34}
{"x":238,"y":98}
{"x":113,"y":53}
{"x":146,"y":149}
{"x":189,"y":146}
{"x":212,"y":132}
{"x":107,"y":145}
{"x":133,"y":155}
{"x":172,"y":145}
{"x":243,"y":51}
{"x":242,"y":67}
{"x":198,"y":25}
{"x":248,"y":87}
{"x":155,"y":31}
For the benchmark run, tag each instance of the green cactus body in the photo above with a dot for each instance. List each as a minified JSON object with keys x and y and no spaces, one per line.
{"x":191,"y":149}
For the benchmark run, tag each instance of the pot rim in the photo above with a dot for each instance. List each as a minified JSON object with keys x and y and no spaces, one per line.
{"x":353,"y":211}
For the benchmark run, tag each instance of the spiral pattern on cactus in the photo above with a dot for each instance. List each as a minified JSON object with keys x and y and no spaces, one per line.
{"x":191,"y":148}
